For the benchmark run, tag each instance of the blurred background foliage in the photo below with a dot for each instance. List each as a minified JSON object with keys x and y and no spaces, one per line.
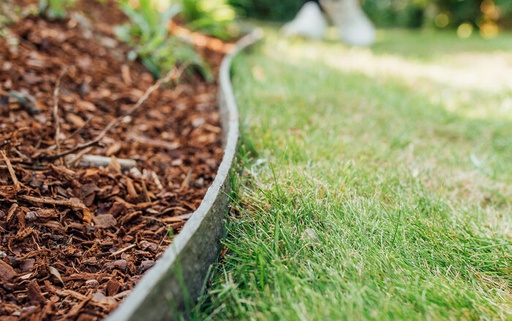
{"x":211,"y":17}
{"x":486,"y":16}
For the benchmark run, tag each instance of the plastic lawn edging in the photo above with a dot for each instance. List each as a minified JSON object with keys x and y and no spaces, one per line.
{"x":171,"y":287}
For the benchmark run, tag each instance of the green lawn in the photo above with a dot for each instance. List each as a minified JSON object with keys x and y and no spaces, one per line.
{"x":373,"y":183}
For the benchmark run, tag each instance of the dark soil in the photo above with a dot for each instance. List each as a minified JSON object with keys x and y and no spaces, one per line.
{"x":75,"y":237}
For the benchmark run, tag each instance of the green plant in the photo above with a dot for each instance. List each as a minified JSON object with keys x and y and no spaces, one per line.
{"x":211,"y":17}
{"x":267,"y":9}
{"x":55,"y":9}
{"x":154,"y":46}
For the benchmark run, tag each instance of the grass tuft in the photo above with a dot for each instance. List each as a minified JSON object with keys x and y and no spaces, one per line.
{"x":372,"y":183}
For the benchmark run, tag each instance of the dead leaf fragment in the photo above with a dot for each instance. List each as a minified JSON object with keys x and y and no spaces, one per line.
{"x":105,"y":221}
{"x":55,"y":273}
{"x":27,"y":265}
{"x":112,"y":287}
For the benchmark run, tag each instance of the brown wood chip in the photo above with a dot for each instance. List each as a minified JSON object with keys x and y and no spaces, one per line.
{"x":6,"y":271}
{"x":105,"y":221}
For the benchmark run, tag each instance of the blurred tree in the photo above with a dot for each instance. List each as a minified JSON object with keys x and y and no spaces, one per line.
{"x":396,"y":13}
{"x":505,"y":10}
{"x":488,"y":16}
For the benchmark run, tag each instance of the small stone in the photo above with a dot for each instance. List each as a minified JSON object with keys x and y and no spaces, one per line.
{"x":31,"y":216}
{"x":93,"y":284}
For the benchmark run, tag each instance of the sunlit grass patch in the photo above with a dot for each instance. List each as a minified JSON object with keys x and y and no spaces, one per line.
{"x":365,"y":193}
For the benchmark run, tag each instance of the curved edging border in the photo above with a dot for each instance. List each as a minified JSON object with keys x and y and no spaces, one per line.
{"x":171,"y":287}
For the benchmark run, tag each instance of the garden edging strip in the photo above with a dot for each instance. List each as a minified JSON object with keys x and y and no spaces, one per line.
{"x":171,"y":287}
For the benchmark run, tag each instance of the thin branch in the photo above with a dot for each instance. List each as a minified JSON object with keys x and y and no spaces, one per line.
{"x":73,"y":134}
{"x":56,"y":108}
{"x":123,"y":250}
{"x":97,"y":161}
{"x":51,"y":201}
{"x":171,"y":75}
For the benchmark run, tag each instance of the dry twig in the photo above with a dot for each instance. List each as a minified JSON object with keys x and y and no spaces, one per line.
{"x":51,"y":201}
{"x":98,"y":161}
{"x":56,"y":108}
{"x":15,"y":181}
{"x":145,"y":190}
{"x":78,"y":130}
{"x":123,"y":250}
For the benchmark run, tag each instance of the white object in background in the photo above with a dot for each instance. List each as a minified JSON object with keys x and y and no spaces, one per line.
{"x":309,"y":22}
{"x":354,"y":27}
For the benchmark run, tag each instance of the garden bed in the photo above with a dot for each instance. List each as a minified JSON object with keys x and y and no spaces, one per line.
{"x":75,"y":236}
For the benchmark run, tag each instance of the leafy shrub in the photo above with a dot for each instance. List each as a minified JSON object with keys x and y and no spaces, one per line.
{"x":148,"y":33}
{"x":480,"y":13}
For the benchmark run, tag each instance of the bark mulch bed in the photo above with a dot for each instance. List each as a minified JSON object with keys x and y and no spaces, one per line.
{"x":75,"y":237}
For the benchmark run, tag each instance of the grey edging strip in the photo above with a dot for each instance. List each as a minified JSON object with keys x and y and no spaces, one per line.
{"x":171,"y":287}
